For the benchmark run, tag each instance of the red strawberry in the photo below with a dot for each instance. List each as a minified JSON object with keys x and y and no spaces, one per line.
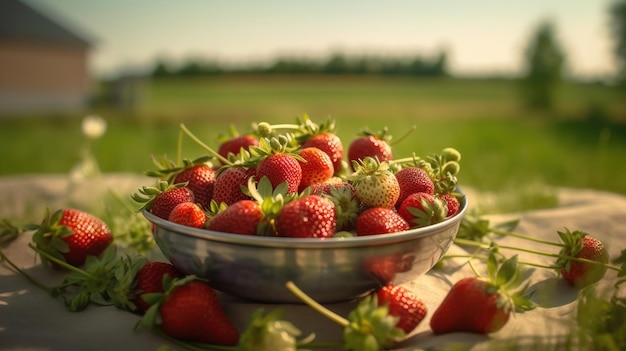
{"x":370,"y":145}
{"x":402,"y":303}
{"x":189,"y":214}
{"x":471,"y":305}
{"x":235,"y":144}
{"x":422,"y":209}
{"x":581,"y":245}
{"x":310,"y":216}
{"x":380,"y":220}
{"x":413,"y":180}
{"x":280,"y":168}
{"x":482,"y":306}
{"x":229,"y":182}
{"x":160,"y":200}
{"x":452,"y":204}
{"x":72,"y":235}
{"x":200,"y":180}
{"x":150,"y":280}
{"x":331,"y":144}
{"x":191,"y":311}
{"x":316,"y":168}
{"x":385,"y":268}
{"x":242,"y":217}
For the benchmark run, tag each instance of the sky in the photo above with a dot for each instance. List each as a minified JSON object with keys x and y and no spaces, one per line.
{"x":479,"y":36}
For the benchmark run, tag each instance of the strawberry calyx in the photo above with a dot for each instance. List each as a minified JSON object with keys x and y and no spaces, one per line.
{"x":267,"y":332}
{"x":442,"y":168}
{"x":167,"y":169}
{"x":369,"y":327}
{"x":367,"y":168}
{"x":503,"y":277}
{"x":281,"y":144}
{"x":429,"y":213}
{"x":347,"y":206}
{"x":272,"y":201}
{"x":48,"y":236}
{"x":146,"y":194}
{"x":382,"y":134}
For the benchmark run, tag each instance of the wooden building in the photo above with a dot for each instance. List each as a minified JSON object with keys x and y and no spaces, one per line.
{"x":43,"y":64}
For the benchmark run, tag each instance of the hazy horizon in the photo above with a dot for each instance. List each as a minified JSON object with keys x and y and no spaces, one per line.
{"x":479,"y":37}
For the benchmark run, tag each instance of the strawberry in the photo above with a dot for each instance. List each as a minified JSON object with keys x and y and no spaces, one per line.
{"x":234,"y":145}
{"x":452,"y":204}
{"x":72,"y":235}
{"x":311,"y":216}
{"x":370,"y":145}
{"x":242,"y":217}
{"x":149,"y":279}
{"x":402,"y":303}
{"x":385,"y":268}
{"x":188,"y":214}
{"x":277,"y":159}
{"x":483,"y":306}
{"x":379,"y":220}
{"x":160,"y":200}
{"x":317,"y":167}
{"x":413,"y":180}
{"x":200,"y":179}
{"x":583,"y":246}
{"x":197,"y":175}
{"x":190,"y":310}
{"x":229,"y":182}
{"x":281,"y":168}
{"x":422,"y":209}
{"x":329,"y":143}
{"x":374,"y":183}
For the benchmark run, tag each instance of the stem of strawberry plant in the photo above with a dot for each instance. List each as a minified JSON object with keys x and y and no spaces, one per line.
{"x":30,"y":278}
{"x":525,"y":237}
{"x":206,"y":147}
{"x":465,"y":242}
{"x":316,"y":306}
{"x":61,"y":263}
{"x":484,"y":257}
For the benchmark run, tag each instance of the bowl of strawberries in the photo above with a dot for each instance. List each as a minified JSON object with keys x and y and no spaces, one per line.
{"x":288,"y":206}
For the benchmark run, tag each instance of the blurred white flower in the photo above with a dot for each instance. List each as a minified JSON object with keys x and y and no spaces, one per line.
{"x":94,"y":127}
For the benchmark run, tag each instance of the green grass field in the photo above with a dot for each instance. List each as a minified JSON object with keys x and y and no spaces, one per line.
{"x":504,"y":147}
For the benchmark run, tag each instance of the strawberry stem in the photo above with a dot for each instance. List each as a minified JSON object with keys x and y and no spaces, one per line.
{"x":485,"y":257}
{"x":222,"y":159}
{"x":466,"y":242}
{"x":60,"y":262}
{"x":316,"y":305}
{"x":525,"y":237}
{"x":404,"y":136}
{"x":30,"y":278}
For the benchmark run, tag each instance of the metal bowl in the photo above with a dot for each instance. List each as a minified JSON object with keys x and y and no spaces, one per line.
{"x":329,"y":270}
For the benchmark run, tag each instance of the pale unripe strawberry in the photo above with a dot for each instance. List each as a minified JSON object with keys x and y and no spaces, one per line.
{"x":375,"y":184}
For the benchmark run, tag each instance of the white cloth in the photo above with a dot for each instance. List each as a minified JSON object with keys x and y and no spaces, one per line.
{"x":30,"y":319}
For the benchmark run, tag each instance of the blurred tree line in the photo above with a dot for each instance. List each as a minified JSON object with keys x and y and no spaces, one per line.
{"x":336,"y":64}
{"x":545,"y":59}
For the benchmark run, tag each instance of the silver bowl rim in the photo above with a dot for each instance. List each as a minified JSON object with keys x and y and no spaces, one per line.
{"x":310,"y":243}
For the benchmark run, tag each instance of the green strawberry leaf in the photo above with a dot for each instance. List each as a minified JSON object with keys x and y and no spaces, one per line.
{"x":371,"y":327}
{"x":508,"y":273}
{"x":473,"y":228}
{"x":507,"y":225}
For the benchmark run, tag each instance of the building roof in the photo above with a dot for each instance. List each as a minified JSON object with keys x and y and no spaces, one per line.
{"x":21,"y":21}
